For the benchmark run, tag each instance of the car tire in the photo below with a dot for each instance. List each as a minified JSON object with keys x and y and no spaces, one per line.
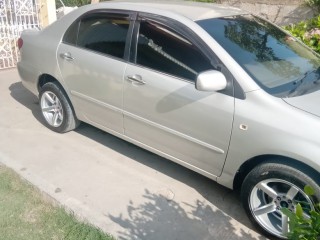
{"x":56,"y":109}
{"x":272,"y":186}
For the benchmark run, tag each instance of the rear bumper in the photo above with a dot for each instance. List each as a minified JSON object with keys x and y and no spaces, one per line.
{"x":29,"y":77}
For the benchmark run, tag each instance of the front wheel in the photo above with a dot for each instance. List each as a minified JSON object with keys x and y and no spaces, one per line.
{"x":270,"y":187}
{"x":56,"y":109}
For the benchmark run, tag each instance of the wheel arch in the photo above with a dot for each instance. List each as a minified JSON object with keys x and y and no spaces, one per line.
{"x":46,"y":78}
{"x":250,"y":164}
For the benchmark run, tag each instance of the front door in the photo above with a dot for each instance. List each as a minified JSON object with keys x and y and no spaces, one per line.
{"x":162,"y":108}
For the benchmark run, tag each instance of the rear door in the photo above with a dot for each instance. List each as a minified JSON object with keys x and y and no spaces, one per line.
{"x":92,"y":60}
{"x":162,"y":108}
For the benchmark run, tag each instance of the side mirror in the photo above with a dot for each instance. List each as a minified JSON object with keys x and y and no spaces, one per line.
{"x":211,"y":81}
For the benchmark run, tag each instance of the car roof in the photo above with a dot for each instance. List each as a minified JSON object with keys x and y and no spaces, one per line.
{"x":192,"y":10}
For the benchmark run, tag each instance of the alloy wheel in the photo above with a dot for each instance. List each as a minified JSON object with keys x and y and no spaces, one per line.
{"x":267,"y":199}
{"x":51,"y":109}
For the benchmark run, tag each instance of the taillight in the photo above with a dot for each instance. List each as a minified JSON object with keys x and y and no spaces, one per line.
{"x":20,"y":43}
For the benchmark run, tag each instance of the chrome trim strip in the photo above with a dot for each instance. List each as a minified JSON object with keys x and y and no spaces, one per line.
{"x":179,"y":134}
{"x":169,"y":130}
{"x":90,"y":99}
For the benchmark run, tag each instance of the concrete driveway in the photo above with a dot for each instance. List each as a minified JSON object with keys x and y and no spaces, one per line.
{"x":125,"y":190}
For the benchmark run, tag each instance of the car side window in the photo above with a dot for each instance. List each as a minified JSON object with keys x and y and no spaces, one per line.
{"x":163,"y":49}
{"x":70,"y":37}
{"x":104,"y":33}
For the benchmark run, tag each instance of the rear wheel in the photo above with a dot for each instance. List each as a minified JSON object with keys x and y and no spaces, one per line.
{"x":270,"y":187}
{"x":56,"y":109}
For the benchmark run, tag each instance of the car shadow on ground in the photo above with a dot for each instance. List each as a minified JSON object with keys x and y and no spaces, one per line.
{"x":159,"y":211}
{"x":160,"y":218}
{"x":158,"y":214}
{"x":27,"y":99}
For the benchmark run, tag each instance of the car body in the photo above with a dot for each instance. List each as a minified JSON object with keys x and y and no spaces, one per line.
{"x":143,"y":72}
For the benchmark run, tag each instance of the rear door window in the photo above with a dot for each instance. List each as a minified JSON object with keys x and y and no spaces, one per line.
{"x":104,"y":33}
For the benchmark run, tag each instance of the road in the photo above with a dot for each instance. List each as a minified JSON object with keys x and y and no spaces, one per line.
{"x":123,"y":189}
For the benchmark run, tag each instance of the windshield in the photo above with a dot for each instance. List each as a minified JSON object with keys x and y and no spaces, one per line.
{"x":275,"y":60}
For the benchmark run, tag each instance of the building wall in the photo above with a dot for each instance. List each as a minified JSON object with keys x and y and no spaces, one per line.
{"x":282,"y":12}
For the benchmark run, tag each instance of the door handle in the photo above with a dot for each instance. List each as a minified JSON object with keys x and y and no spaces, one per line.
{"x":137,"y":79}
{"x":67,"y":56}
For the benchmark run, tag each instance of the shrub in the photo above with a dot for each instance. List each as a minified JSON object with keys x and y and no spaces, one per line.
{"x":307,"y":31}
{"x":301,"y":227}
{"x":313,"y":3}
{"x":72,"y":3}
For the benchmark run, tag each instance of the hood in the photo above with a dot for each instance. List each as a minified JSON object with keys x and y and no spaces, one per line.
{"x":308,"y":102}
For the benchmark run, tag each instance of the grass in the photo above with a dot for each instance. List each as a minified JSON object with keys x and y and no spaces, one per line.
{"x":25,"y":214}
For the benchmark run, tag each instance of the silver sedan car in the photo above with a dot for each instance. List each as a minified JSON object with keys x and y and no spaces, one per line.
{"x":215,"y":89}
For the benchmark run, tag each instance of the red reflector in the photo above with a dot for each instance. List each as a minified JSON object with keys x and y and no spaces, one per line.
{"x":20,"y":43}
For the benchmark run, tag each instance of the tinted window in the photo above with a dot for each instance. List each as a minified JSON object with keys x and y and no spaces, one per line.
{"x":275,"y":60}
{"x":104,"y":33}
{"x":71,"y":34}
{"x":165,"y":50}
